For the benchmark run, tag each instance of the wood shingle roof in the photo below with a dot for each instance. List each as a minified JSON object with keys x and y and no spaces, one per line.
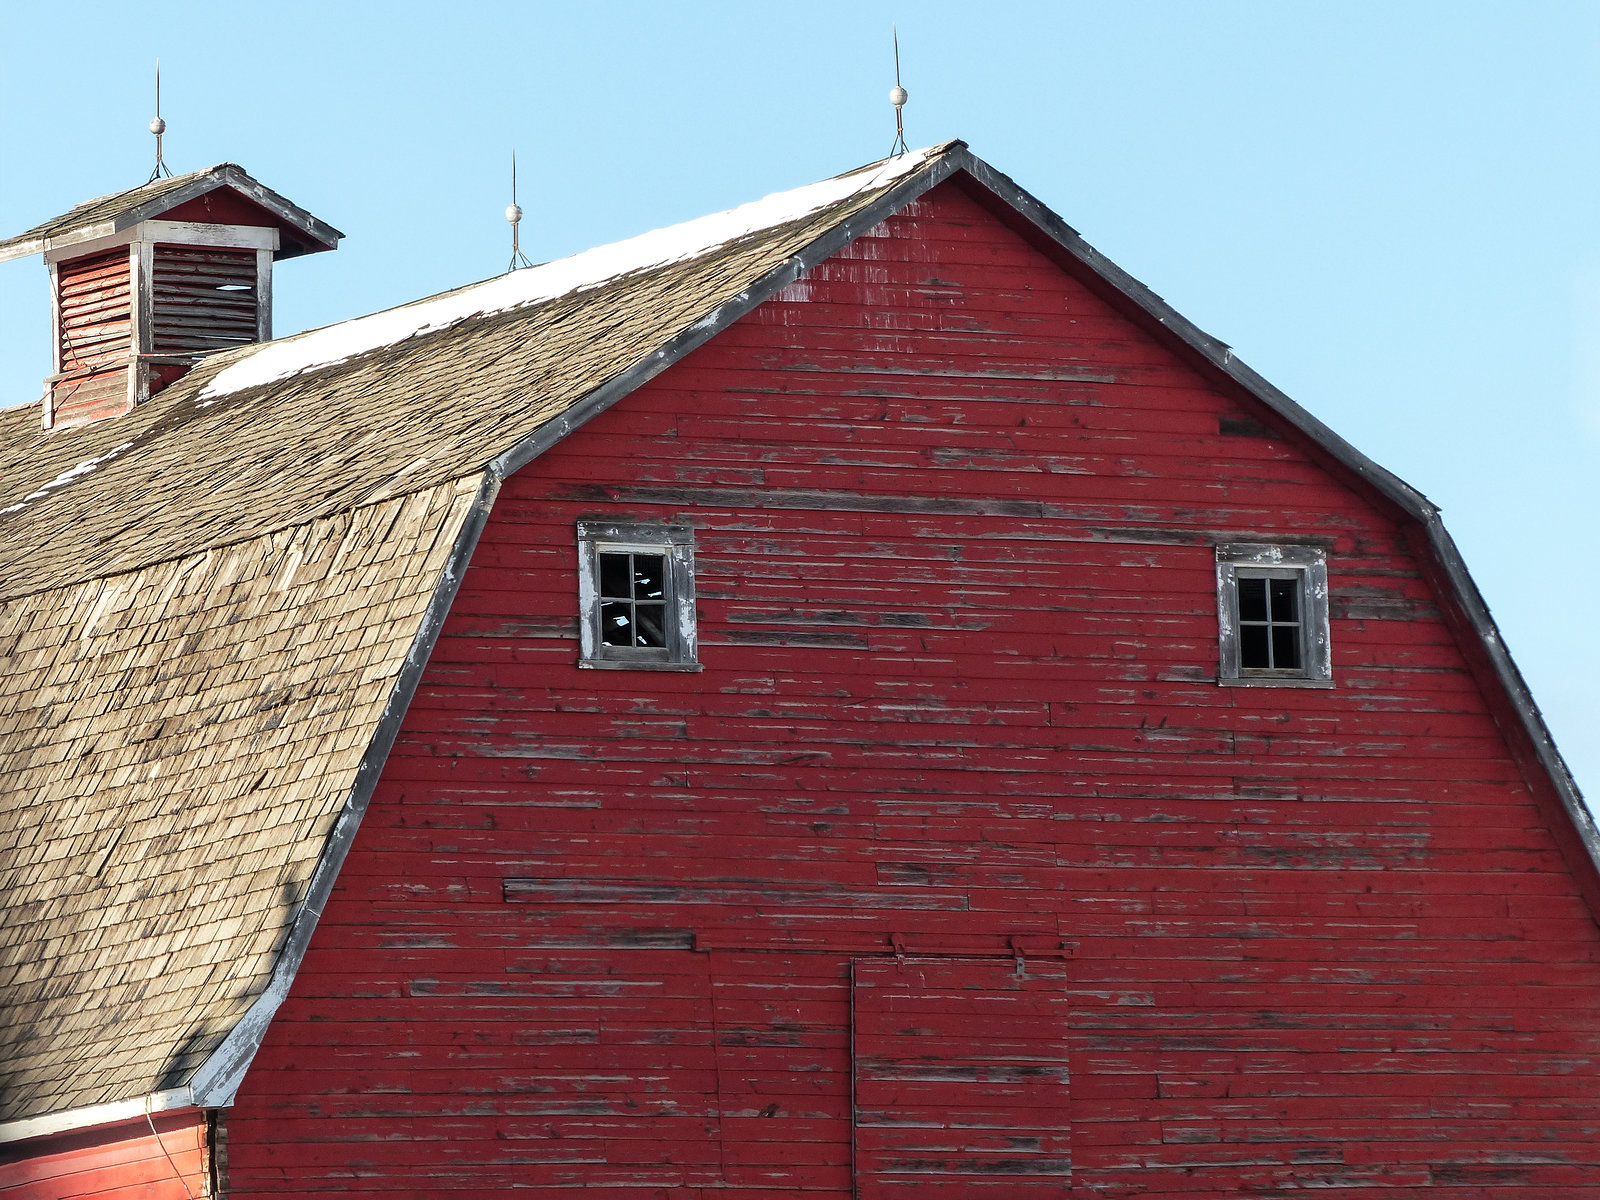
{"x":177,"y":742}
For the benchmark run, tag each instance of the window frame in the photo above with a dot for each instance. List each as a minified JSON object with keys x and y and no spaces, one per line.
{"x":1307,"y":564}
{"x":675,"y":543}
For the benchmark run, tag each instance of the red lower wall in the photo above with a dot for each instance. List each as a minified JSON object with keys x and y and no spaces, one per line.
{"x":164,"y":1157}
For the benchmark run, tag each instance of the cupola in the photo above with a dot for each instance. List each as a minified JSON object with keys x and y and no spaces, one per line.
{"x":145,"y":283}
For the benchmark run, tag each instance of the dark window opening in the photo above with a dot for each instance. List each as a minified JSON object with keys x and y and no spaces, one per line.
{"x":1269,"y":624}
{"x":633,"y":599}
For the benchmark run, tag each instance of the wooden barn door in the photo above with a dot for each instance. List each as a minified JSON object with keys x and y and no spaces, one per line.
{"x":960,"y":1079}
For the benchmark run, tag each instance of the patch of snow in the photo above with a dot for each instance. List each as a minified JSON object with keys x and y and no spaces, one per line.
{"x":534,"y":285}
{"x":66,"y":477}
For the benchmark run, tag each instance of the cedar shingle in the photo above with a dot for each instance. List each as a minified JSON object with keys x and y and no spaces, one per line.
{"x":150,"y":939}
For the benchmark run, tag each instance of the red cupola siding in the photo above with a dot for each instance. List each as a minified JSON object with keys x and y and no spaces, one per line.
{"x":850,"y":697}
{"x":146,"y":282}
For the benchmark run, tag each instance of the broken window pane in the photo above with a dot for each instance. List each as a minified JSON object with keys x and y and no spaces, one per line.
{"x":649,"y":577}
{"x":652,"y":624}
{"x":637,"y":582}
{"x":616,"y":623}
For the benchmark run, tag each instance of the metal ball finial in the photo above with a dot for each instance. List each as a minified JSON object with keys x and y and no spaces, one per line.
{"x":898,"y":96}
{"x":158,"y":126}
{"x":513,"y":213}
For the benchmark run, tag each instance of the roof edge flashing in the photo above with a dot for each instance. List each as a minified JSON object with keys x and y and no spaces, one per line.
{"x":75,"y":1120}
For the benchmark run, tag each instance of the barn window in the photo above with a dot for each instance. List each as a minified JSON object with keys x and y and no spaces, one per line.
{"x":1272,"y":613}
{"x":636,"y":595}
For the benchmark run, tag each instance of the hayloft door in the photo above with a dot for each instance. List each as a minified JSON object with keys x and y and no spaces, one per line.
{"x":959,"y":1084}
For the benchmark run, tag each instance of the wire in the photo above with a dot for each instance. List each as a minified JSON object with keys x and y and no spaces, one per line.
{"x":170,"y":1160}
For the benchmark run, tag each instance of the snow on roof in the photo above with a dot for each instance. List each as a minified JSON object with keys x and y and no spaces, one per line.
{"x":534,"y":285}
{"x":66,"y":477}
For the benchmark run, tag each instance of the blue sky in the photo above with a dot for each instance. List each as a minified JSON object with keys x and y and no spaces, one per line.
{"x":1389,"y":209}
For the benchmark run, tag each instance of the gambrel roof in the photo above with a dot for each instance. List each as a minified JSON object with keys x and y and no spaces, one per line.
{"x":214,"y":611}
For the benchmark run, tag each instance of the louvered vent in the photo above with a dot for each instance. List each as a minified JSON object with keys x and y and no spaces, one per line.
{"x":95,"y":331}
{"x":204,"y":299}
{"x":96,"y":326}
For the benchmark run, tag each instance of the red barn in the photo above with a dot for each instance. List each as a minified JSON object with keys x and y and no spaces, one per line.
{"x":851,"y":696}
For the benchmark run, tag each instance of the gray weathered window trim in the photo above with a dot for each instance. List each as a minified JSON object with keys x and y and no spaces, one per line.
{"x":676,"y":544}
{"x":1308,"y":564}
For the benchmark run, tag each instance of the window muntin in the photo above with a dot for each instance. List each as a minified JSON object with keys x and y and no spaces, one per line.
{"x":636,"y":595}
{"x":1272,"y":614}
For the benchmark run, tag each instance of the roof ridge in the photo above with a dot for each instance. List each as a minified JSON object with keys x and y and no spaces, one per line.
{"x":271,"y":362}
{"x":166,"y":182}
{"x":115,"y":212}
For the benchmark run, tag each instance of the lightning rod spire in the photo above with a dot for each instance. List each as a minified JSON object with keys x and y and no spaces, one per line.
{"x":158,"y":127}
{"x":898,"y":97}
{"x":514,"y":215}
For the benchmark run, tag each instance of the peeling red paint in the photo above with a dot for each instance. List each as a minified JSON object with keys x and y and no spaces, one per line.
{"x":163,"y":1157}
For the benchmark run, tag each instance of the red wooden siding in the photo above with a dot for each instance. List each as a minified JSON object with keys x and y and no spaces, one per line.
{"x":960,"y":1082}
{"x":955,"y":518}
{"x":127,"y":1161}
{"x":221,"y":206}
